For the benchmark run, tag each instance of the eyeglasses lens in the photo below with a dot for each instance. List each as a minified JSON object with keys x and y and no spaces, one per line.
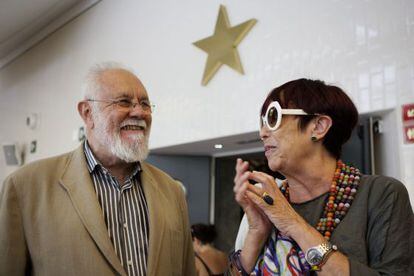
{"x":272,"y":117}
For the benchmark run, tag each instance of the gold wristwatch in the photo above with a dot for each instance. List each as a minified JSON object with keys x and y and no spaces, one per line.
{"x":316,"y":256}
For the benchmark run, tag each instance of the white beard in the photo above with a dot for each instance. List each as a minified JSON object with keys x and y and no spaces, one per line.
{"x":137,"y":151}
{"x":128,"y":152}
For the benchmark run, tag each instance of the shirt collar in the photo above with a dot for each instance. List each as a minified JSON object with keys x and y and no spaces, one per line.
{"x":94,"y":164}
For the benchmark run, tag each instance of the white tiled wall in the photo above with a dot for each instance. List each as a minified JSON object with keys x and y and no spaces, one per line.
{"x":366,"y":47}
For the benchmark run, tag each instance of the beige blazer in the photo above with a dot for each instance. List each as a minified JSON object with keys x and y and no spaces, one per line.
{"x":51,"y":222}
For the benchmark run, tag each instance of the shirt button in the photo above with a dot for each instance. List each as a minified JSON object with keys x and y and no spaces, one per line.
{"x":129,"y":262}
{"x":125,"y":225}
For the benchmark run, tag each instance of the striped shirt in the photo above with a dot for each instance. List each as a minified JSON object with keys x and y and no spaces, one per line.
{"x":125,"y":211}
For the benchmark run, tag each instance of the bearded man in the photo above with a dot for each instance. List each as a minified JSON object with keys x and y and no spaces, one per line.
{"x":99,"y":210}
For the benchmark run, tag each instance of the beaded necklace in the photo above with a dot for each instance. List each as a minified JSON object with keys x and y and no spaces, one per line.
{"x":341,"y":195}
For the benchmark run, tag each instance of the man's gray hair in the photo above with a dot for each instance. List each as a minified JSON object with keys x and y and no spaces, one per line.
{"x":92,"y":85}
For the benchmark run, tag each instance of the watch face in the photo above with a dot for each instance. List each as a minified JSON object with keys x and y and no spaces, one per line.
{"x":314,"y":257}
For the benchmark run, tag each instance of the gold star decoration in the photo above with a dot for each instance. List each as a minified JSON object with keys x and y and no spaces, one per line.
{"x":221,"y":46}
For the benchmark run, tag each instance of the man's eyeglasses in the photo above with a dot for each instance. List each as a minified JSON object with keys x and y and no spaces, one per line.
{"x":273,"y":116}
{"x":127,"y":105}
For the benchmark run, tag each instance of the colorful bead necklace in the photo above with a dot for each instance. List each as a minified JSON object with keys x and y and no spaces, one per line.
{"x":341,"y":195}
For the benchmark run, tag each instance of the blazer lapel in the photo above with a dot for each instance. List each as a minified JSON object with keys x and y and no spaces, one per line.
{"x":77,"y":181}
{"x":155,"y":201}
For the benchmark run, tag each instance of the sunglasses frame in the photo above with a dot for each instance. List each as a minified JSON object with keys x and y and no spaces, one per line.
{"x":281,"y":111}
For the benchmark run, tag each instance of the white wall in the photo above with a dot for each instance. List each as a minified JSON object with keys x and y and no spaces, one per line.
{"x":366,"y":47}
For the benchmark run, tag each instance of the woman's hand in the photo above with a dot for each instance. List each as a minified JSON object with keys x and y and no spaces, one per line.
{"x":281,"y":213}
{"x":259,"y":224}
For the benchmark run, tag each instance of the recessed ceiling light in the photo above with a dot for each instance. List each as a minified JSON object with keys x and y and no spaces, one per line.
{"x":218,"y":146}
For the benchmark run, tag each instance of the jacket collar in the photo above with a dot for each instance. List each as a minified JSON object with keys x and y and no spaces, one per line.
{"x":77,"y":181}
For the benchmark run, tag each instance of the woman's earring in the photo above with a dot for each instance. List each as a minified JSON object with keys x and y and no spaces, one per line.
{"x":314,"y":139}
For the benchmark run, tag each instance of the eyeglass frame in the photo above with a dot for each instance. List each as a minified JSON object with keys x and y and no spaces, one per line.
{"x":128,"y":104}
{"x":281,"y":111}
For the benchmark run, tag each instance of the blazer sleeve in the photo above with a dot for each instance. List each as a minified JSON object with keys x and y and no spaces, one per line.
{"x":13,"y":249}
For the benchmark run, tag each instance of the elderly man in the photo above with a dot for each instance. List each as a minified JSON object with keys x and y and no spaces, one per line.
{"x":99,"y":210}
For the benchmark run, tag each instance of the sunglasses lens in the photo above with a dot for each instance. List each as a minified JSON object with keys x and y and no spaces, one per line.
{"x":272,"y":117}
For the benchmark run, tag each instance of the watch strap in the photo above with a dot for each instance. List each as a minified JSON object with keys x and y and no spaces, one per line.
{"x":326,"y":249}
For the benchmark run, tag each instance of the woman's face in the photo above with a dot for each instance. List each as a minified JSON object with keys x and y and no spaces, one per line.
{"x":287,"y":146}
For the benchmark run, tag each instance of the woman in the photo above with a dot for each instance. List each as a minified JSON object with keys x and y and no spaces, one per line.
{"x":208,"y":259}
{"x":326,"y":218}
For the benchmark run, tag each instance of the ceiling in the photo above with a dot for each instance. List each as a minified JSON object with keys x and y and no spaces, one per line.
{"x":23,"y":23}
{"x":232,"y":145}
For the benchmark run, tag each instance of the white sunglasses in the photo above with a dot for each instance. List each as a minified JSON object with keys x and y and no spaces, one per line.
{"x":273,"y":116}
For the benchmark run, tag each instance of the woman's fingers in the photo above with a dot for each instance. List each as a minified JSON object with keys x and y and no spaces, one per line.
{"x":241,"y":180}
{"x":240,"y":188}
{"x":256,"y":190}
{"x":256,"y":199}
{"x":242,"y":183}
{"x":269,"y":184}
{"x":241,"y":167}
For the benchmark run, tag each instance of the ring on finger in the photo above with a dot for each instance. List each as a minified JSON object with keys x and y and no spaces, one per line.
{"x":267,"y":198}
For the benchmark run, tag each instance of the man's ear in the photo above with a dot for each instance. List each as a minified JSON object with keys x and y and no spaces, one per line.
{"x":321,"y":126}
{"x":85,"y":111}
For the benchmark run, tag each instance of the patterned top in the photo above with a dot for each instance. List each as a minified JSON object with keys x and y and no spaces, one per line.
{"x":125,"y":211}
{"x":377,"y":234}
